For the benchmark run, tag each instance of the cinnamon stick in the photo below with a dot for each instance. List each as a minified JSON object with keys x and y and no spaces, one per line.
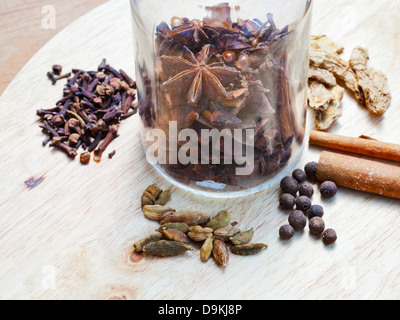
{"x":363,"y":145}
{"x":290,"y":128}
{"x":359,"y":174}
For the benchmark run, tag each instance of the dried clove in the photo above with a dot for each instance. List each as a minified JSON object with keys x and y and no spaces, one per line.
{"x":85,"y":158}
{"x":57,"y":69}
{"x":87,"y":116}
{"x":52,"y":77}
{"x":71,"y":152}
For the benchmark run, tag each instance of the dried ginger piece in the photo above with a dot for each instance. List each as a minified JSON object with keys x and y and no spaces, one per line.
{"x":322,"y":75}
{"x":325,"y":118}
{"x":319,"y":97}
{"x":374,"y":84}
{"x":340,"y":68}
{"x":323,"y":42}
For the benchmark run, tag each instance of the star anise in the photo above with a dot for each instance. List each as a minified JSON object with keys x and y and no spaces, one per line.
{"x":233,"y":42}
{"x":195,"y":30}
{"x":191,"y":78}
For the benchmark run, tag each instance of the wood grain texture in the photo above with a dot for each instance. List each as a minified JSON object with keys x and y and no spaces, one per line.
{"x":22,"y":33}
{"x":70,"y":236}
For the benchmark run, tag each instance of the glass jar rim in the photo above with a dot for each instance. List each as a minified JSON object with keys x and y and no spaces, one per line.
{"x":134,"y":4}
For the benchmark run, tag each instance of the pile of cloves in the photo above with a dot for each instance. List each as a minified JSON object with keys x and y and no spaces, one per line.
{"x":88,"y":116}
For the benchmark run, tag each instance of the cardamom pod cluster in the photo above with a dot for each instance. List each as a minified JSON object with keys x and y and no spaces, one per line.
{"x":154,"y":195}
{"x":178,"y":228}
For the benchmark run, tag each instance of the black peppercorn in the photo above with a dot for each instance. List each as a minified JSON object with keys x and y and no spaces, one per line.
{"x":311,"y":170}
{"x":289,"y":185}
{"x":306,"y":189}
{"x":286,"y":232}
{"x":299,"y":175}
{"x":317,"y":225}
{"x":303,"y":203}
{"x":328,"y":189}
{"x":287,"y":201}
{"x":329,"y":236}
{"x":316,"y":211}
{"x":297,"y":220}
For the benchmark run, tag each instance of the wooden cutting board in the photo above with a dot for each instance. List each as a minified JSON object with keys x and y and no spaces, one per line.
{"x":70,"y":236}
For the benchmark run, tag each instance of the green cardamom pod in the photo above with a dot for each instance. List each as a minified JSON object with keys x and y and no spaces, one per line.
{"x":191,"y":218}
{"x":248,"y":249}
{"x":176,"y":235}
{"x":181,"y":226}
{"x":242,"y":238}
{"x":150,"y":195}
{"x":139,"y":245}
{"x":222,"y":219}
{"x":206,"y":249}
{"x":165,"y":248}
{"x":198,"y":233}
{"x":220,"y":253}
{"x":164,"y":197}
{"x":226,"y":232}
{"x":157,"y":212}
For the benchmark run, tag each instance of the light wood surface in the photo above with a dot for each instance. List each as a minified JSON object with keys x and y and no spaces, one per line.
{"x":25,"y":29}
{"x":70,"y":236}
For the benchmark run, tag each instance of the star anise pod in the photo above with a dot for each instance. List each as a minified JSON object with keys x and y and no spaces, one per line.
{"x":232,"y":42}
{"x":191,"y":78}
{"x":193,"y":31}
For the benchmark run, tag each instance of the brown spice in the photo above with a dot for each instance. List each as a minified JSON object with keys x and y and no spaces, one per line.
{"x":139,"y":245}
{"x":206,"y":249}
{"x":191,"y":218}
{"x":248,"y":249}
{"x":85,"y":158}
{"x":370,"y":87}
{"x":176,"y":235}
{"x":363,"y":146}
{"x":198,"y":233}
{"x":150,"y":195}
{"x":359,"y":174}
{"x":91,"y":106}
{"x":157,"y":212}
{"x":220,"y":253}
{"x":226,"y":232}
{"x":317,"y":225}
{"x":374,"y":84}
{"x":164,"y":248}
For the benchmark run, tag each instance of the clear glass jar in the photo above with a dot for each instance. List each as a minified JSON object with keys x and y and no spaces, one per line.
{"x":222,"y":90}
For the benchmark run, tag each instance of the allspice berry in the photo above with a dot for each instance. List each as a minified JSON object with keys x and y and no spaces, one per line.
{"x":316,"y":211}
{"x":286,"y":232}
{"x":311,"y":171}
{"x":303,"y":203}
{"x":328,"y":189}
{"x":229,"y":56}
{"x":299,"y":175}
{"x":243,"y":62}
{"x":329,"y":236}
{"x":317,"y":225}
{"x":297,"y":220}
{"x":289,"y":185}
{"x":287,"y":201}
{"x":176,"y":22}
{"x":306,"y":189}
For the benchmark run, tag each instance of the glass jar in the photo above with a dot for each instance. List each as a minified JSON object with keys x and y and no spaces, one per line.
{"x":222,"y":90}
